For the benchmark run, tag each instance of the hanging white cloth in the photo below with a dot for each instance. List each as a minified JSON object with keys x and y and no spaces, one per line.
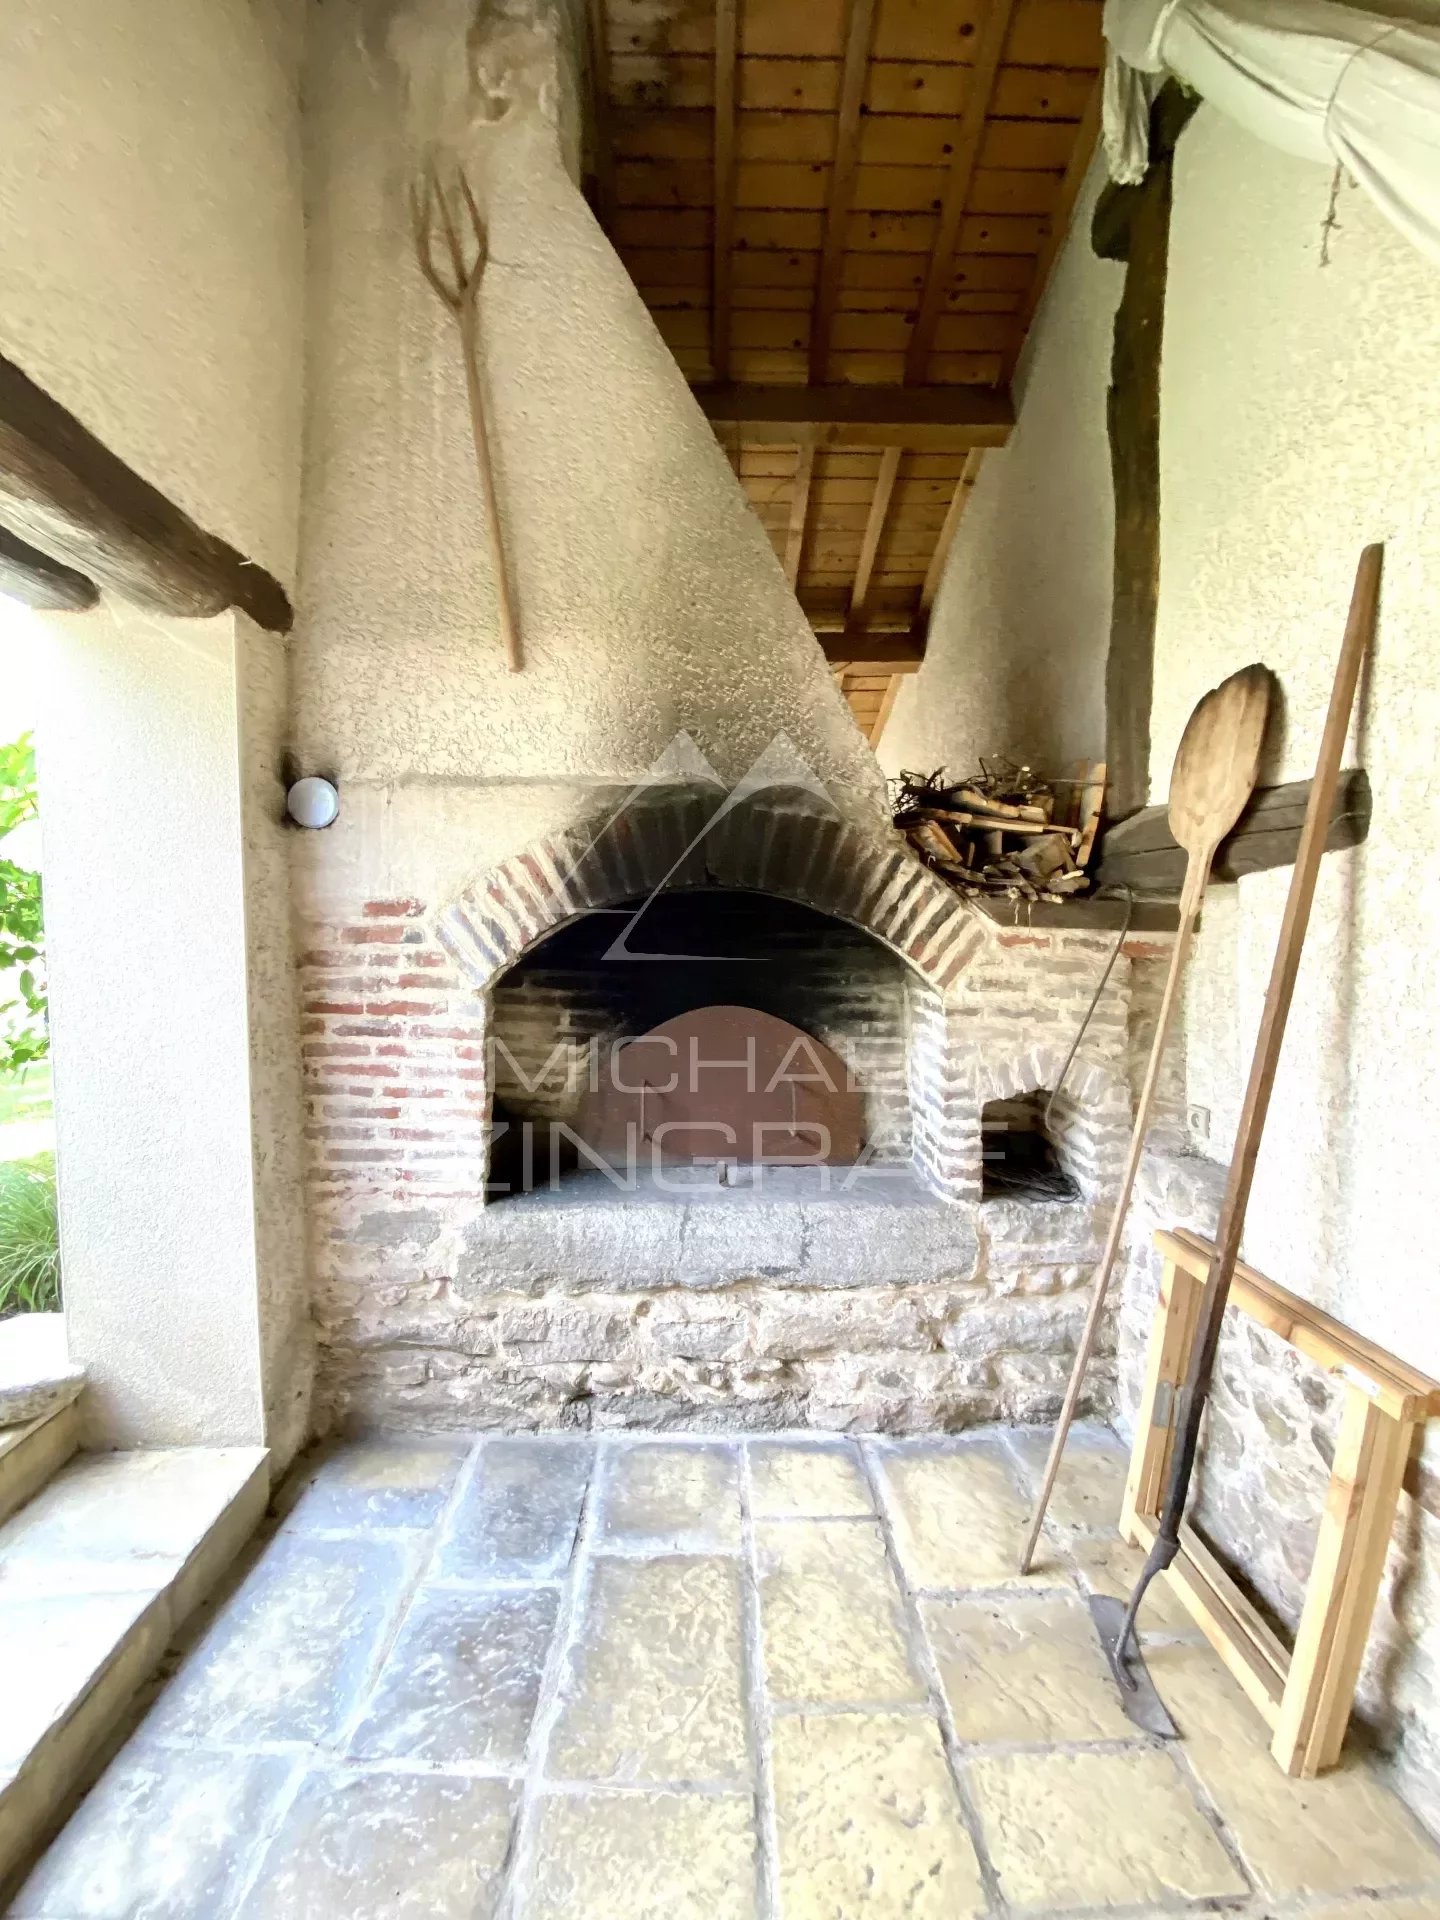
{"x":1321,"y":80}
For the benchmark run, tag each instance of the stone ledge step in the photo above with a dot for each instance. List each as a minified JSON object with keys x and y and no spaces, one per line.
{"x":97,"y":1572}
{"x":34,"y":1452}
{"x":37,"y":1375}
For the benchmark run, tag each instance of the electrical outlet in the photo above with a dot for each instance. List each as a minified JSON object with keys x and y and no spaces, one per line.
{"x":1197,"y":1122}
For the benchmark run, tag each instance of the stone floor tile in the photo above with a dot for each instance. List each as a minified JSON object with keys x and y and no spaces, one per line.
{"x":461,"y":1681}
{"x":1112,"y":1566}
{"x":813,"y":1480}
{"x":289,"y":1652}
{"x":377,"y":1483}
{"x":1025,"y":1668}
{"x":51,"y":1649}
{"x":161,"y":1836}
{"x":114,"y":1520}
{"x":869,"y":1822}
{"x":518,"y":1517}
{"x":959,"y":1516}
{"x":1089,"y":1488}
{"x":386,"y":1846}
{"x":831,"y":1615}
{"x":654,"y":1694}
{"x":1097,"y":1830}
{"x":644,"y":1856}
{"x":671,"y":1499}
{"x":1342,"y":1831}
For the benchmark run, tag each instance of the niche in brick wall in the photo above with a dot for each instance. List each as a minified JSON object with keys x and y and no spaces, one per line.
{"x":569,"y":1012}
{"x":1020,"y":1157}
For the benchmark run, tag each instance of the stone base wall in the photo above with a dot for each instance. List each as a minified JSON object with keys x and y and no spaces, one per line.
{"x":1265,"y":1465}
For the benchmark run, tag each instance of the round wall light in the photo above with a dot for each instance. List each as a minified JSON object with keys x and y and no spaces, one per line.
{"x":312,"y":802}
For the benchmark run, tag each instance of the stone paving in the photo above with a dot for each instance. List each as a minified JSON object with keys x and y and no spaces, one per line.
{"x":540,"y":1678}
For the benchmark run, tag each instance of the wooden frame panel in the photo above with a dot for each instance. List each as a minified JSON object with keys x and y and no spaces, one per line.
{"x":1304,"y":1695}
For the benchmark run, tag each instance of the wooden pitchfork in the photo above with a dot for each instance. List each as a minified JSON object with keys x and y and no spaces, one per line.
{"x":455,"y":274}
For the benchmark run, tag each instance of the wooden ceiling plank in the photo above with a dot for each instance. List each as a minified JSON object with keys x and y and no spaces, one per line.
{"x":799,"y":514}
{"x":935,"y":571}
{"x":1086,"y":136}
{"x":859,"y":30}
{"x":989,"y":52}
{"x":727,"y":28}
{"x":874,"y":528}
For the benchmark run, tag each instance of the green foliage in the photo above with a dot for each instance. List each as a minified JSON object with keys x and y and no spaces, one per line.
{"x":29,"y":1236}
{"x":23,"y":1034}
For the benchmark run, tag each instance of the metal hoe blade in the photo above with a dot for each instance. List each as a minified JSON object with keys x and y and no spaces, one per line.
{"x":1138,"y":1697}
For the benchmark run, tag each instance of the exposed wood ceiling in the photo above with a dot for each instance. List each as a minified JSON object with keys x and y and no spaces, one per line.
{"x":829,"y":194}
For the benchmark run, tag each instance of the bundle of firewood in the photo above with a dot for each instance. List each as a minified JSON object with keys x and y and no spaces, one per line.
{"x":1004,"y":830}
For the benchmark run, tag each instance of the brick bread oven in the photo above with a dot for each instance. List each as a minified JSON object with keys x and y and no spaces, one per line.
{"x":900,"y":1300}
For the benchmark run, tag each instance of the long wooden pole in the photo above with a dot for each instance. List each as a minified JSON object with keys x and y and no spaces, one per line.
{"x":1196,"y":874}
{"x":1359,"y":632}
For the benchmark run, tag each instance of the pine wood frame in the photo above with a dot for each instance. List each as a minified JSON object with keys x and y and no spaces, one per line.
{"x":1304,"y":1694}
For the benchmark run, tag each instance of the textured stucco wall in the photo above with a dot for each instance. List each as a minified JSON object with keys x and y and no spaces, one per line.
{"x":1015,"y":662}
{"x":151,"y":273}
{"x":141,"y":818}
{"x":649,"y":599}
{"x":1300,"y":419}
{"x":273,"y":1024}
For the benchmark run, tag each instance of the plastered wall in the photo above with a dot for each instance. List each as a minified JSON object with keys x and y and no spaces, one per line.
{"x":649,"y":599}
{"x":151,"y":276}
{"x":1300,"y":419}
{"x":1015,"y":660}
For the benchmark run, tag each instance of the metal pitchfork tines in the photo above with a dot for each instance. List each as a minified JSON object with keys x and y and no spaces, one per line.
{"x":453,"y":261}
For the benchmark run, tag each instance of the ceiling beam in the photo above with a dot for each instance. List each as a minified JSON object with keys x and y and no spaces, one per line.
{"x":864,"y":650}
{"x":874,"y":528}
{"x":65,"y":493}
{"x":923,"y":419}
{"x":989,"y":52}
{"x":727,"y":17}
{"x":1086,"y":134}
{"x":859,"y":30}
{"x":33,"y":577}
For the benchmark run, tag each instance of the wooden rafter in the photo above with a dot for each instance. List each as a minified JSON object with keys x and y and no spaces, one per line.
{"x":1079,"y":166}
{"x":727,"y":19}
{"x":958,"y":502}
{"x":988,"y":55}
{"x":603,"y":156}
{"x":799,"y":512}
{"x":874,"y":529}
{"x":886,"y":703}
{"x":933,"y":419}
{"x":874,"y":651}
{"x":859,"y":30}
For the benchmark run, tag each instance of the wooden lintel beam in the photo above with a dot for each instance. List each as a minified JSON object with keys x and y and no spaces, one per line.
{"x":727,"y":27}
{"x":33,"y":577}
{"x":985,"y":64}
{"x":64,"y":492}
{"x":874,"y":529}
{"x":921,"y":419}
{"x":864,"y":650}
{"x":859,"y":30}
{"x":1086,"y":135}
{"x":799,"y":513}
